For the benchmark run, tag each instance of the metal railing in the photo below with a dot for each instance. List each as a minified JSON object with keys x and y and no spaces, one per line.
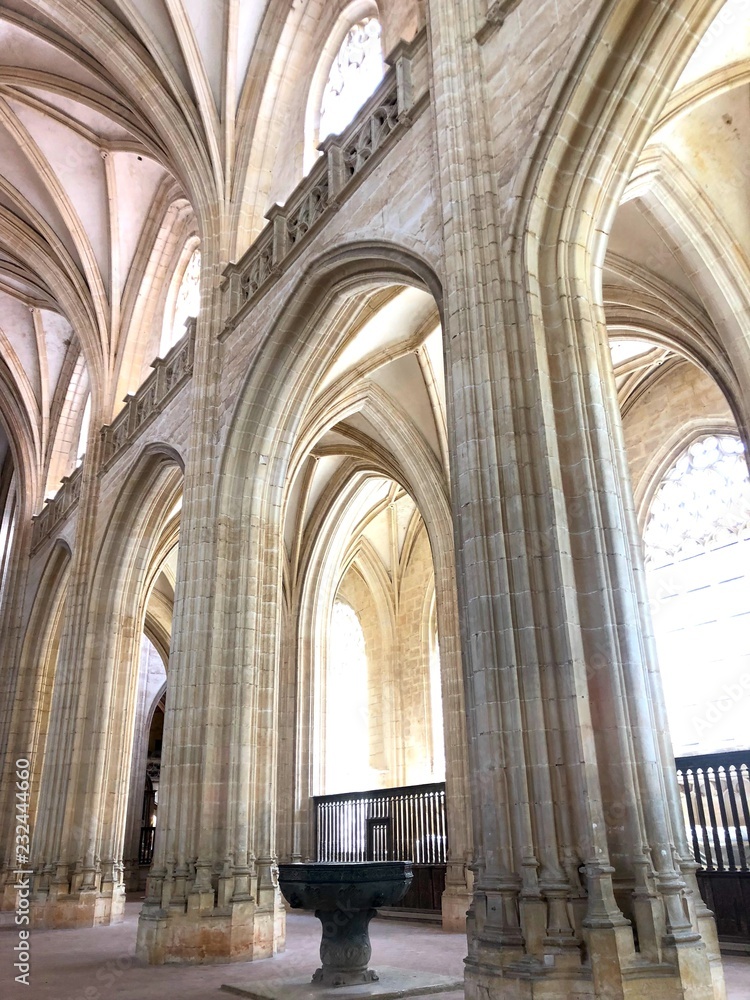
{"x":146,"y":845}
{"x":388,"y":824}
{"x":715,"y":794}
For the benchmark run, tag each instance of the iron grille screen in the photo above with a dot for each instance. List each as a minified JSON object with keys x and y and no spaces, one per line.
{"x":388,"y":824}
{"x":715,"y":792}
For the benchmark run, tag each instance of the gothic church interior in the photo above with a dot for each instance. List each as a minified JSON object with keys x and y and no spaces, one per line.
{"x":375,"y":395}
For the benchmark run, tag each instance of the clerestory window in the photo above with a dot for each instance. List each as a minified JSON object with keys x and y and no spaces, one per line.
{"x":702,"y":502}
{"x":697,"y":551}
{"x":186,"y":303}
{"x":83,"y":434}
{"x":356,"y":71}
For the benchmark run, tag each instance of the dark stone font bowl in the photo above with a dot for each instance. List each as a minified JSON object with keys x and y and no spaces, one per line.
{"x":345,"y":897}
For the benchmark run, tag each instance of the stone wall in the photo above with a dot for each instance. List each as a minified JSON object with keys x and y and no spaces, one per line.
{"x":397,"y":645}
{"x":412,"y":673}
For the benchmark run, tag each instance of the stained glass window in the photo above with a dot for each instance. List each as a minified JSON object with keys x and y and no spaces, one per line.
{"x":702,"y":502}
{"x":356,"y":71}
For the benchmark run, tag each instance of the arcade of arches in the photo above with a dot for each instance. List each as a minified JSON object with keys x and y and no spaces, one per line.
{"x":375,"y":394}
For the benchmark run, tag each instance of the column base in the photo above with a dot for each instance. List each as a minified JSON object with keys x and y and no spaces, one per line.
{"x":482,"y":983}
{"x":454,"y":905}
{"x":135,"y":876}
{"x":534,"y":981}
{"x":240,"y":932}
{"x":86,"y":908}
{"x":707,"y":927}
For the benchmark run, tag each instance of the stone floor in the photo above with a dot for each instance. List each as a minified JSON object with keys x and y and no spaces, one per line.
{"x":99,"y":963}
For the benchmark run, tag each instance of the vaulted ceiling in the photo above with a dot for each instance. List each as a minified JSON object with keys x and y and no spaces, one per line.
{"x":128,"y":126}
{"x":109,"y":112}
{"x":677,"y":268}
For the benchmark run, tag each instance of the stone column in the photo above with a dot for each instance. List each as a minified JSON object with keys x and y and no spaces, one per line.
{"x":567,"y":769}
{"x":212,"y":893}
{"x":19,"y":696}
{"x":13,"y":582}
{"x":69,"y":881}
{"x":458,"y":878}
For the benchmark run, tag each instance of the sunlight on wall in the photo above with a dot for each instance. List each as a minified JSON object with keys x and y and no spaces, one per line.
{"x":83,"y":436}
{"x":187,"y":303}
{"x":347,"y":745}
{"x":697,"y":547}
{"x":436,"y":708}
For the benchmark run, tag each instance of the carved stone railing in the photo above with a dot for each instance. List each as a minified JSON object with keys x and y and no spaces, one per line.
{"x":170,"y":374}
{"x":346,"y":160}
{"x":57,"y":509}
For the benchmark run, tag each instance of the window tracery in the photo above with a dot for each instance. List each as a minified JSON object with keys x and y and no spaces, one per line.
{"x":187,"y":300}
{"x":696,"y":544}
{"x":702,"y":502}
{"x":356,"y":71}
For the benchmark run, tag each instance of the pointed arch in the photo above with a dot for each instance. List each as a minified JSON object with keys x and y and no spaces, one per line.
{"x":595,"y":125}
{"x":263,"y":447}
{"x":35,"y":678}
{"x":115,"y":618}
{"x":702,"y":241}
{"x":121,"y":576}
{"x":262,"y":411}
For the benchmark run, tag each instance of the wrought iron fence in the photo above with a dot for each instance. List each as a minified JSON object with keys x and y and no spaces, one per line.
{"x":715,"y":794}
{"x":389,"y":824}
{"x":146,"y":845}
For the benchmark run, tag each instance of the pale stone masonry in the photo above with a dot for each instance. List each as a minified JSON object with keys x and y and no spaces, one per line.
{"x":398,"y":393}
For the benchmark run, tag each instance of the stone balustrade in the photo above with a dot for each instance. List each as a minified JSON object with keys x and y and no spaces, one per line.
{"x":346,"y":160}
{"x":169,"y":375}
{"x":57,"y":509}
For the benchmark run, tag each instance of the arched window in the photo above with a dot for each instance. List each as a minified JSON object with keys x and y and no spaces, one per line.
{"x":83,"y":434}
{"x":697,"y":550}
{"x":8,"y":511}
{"x":349,"y":69}
{"x":187,"y":300}
{"x":347,"y":739}
{"x":703,"y":501}
{"x":356,"y":71}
